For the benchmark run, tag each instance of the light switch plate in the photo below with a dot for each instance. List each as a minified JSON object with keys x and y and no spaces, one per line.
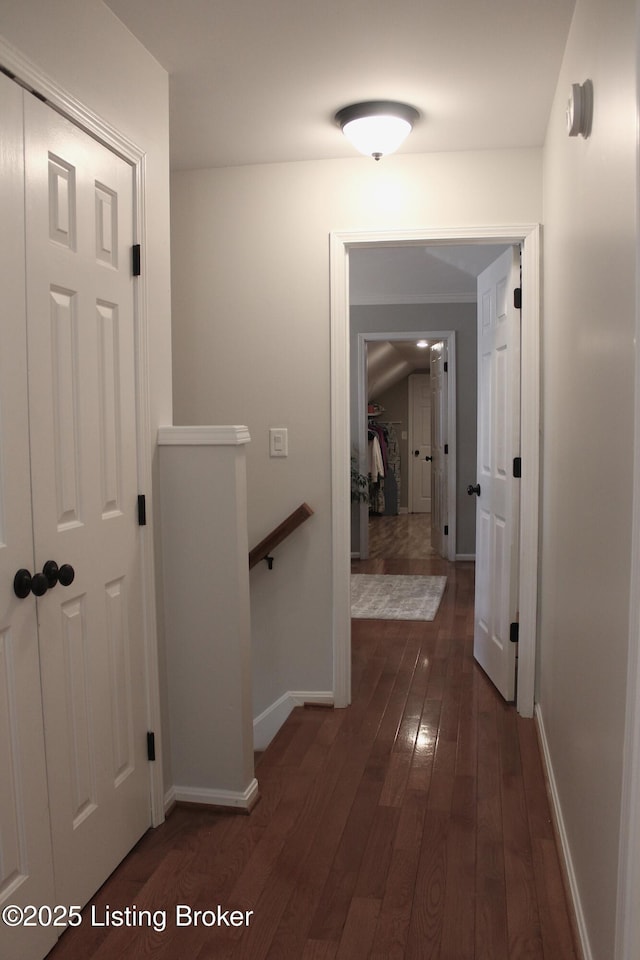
{"x":278,"y":442}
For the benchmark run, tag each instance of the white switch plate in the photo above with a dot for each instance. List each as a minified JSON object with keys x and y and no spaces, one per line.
{"x":278,"y":442}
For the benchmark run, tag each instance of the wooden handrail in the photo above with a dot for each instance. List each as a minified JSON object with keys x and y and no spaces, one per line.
{"x":264,"y":548}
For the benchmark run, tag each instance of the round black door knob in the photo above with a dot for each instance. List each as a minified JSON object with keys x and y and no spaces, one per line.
{"x":39,"y":584}
{"x":473,"y":488}
{"x":416,"y":453}
{"x":24,"y":584}
{"x":55,"y":574}
{"x":50,"y":570}
{"x":66,"y":574}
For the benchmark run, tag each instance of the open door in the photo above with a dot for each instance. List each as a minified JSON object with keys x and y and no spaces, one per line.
{"x":496,"y":488}
{"x":420,"y":443}
{"x":439,"y":431}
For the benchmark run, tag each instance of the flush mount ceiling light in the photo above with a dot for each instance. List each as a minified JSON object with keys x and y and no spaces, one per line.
{"x":376,"y":127}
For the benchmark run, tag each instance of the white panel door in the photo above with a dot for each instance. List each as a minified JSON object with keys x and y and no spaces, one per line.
{"x":497,"y":511}
{"x":82,"y":402}
{"x":420,"y":442}
{"x":26,"y":870}
{"x":439,"y":475}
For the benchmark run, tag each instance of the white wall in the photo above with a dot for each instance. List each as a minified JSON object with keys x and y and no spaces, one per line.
{"x":251,"y":344}
{"x":588,"y":386}
{"x":83,"y":47}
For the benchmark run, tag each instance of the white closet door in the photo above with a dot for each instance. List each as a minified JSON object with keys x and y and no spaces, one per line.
{"x":82,"y":403}
{"x":26,"y":872}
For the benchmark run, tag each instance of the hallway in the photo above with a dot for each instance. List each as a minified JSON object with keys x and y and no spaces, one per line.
{"x":413,"y":824}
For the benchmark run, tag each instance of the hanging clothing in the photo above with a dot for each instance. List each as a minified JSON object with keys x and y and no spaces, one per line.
{"x":376,"y":461}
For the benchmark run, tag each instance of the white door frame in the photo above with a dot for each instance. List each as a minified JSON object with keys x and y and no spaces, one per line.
{"x":361,"y":407}
{"x":82,"y":116}
{"x":340,"y":243}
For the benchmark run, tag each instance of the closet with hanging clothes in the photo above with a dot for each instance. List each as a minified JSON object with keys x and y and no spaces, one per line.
{"x":384,"y":464}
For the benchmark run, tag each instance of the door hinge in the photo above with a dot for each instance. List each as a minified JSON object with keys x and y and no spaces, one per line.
{"x":446,"y":366}
{"x":446,"y":529}
{"x":514,"y":631}
{"x":142,"y":510}
{"x":135,"y":260}
{"x":446,"y":448}
{"x":517,"y":467}
{"x":517,"y":298}
{"x":151,"y":745}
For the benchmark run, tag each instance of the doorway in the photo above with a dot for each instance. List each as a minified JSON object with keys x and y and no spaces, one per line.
{"x":360,"y":344}
{"x":341,"y":245}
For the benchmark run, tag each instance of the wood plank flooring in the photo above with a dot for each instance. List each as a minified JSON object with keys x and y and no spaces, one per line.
{"x":413,"y":825}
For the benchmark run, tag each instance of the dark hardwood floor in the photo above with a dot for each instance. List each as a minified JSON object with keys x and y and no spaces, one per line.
{"x":413,"y":825}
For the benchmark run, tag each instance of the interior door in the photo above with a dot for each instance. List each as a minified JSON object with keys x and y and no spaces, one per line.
{"x":420,"y":442}
{"x":26,"y":868}
{"x":82,"y":403}
{"x":439,"y":418}
{"x":496,"y":489}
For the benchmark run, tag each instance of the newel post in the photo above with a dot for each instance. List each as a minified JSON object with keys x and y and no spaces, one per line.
{"x":207,"y":613}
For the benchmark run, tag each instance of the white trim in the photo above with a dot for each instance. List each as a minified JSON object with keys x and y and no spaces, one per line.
{"x":267,"y":724}
{"x":562,"y":836}
{"x":169,"y":799}
{"x":30,"y":75}
{"x":627,"y":939}
{"x":340,"y":479}
{"x":206,"y":436}
{"x":217,"y":798}
{"x":362,"y":439}
{"x":340,"y":244}
{"x":416,"y":298}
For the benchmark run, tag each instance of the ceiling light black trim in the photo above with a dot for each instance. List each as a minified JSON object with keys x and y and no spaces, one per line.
{"x":376,"y":108}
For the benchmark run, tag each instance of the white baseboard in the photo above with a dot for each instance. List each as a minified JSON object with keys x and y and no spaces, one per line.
{"x":465,"y":556}
{"x":402,"y":510}
{"x":214,"y":798}
{"x":267,"y":724}
{"x":562,"y":835}
{"x":169,"y":799}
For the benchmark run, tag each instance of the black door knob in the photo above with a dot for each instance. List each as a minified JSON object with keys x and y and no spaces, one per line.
{"x":66,"y":574}
{"x":471,"y":489}
{"x":24,"y":584}
{"x":428,"y":459}
{"x":50,"y":570}
{"x":55,"y":574}
{"x":416,"y":453}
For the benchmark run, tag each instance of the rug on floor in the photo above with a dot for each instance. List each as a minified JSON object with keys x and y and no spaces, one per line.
{"x":387,"y":597}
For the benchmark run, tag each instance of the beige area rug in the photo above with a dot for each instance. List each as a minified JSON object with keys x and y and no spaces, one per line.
{"x":386,"y":597}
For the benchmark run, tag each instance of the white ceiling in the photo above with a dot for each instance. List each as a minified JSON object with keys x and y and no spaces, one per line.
{"x":259,"y":81}
{"x":418,"y":274}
